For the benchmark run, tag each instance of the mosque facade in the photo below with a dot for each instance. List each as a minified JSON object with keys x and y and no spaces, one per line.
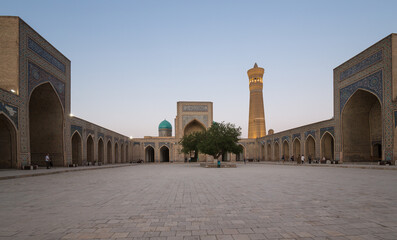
{"x":35,"y":114}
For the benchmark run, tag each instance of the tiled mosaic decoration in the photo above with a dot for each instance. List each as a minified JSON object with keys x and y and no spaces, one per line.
{"x":296,"y":135}
{"x":203,"y":119}
{"x":100,"y":135}
{"x":10,"y":111}
{"x":46,"y":55}
{"x":37,"y":76}
{"x":89,"y":131}
{"x":74,"y":128}
{"x":327,"y":129}
{"x":361,"y":65}
{"x":310,"y":132}
{"x":372,"y":83}
{"x":152,"y":144}
{"x":164,"y":144}
{"x":285,"y":138}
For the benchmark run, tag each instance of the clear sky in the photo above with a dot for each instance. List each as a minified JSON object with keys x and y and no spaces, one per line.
{"x":133,"y":60}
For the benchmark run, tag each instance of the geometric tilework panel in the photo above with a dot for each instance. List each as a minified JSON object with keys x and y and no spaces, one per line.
{"x":101,"y":135}
{"x":361,"y":65}
{"x":269,"y":141}
{"x":276,"y":140}
{"x":296,"y":135}
{"x":37,"y":76}
{"x":10,"y":111}
{"x":285,"y":138}
{"x":372,"y":83}
{"x":164,"y":144}
{"x":327,"y":129}
{"x":89,"y":131}
{"x":74,"y":128}
{"x":203,"y":119}
{"x":149,"y":143}
{"x":311,"y":132}
{"x":44,"y":54}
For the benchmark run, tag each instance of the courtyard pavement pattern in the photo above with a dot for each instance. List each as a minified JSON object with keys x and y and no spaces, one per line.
{"x":181,"y":201}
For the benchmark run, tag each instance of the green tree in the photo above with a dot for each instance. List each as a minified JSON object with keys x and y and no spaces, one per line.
{"x":191,"y":142}
{"x":219,"y":139}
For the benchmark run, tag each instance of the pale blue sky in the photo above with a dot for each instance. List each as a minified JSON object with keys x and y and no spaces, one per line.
{"x":133,"y":60}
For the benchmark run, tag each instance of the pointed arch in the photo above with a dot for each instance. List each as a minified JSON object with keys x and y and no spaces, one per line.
{"x":310,"y":147}
{"x":109,"y":159}
{"x":46,"y":119}
{"x":122,"y":153}
{"x":296,"y":146}
{"x":269,"y":152}
{"x":241,"y":156}
{"x":77,"y":148}
{"x":327,"y":146}
{"x":90,"y":149}
{"x":8,"y":143}
{"x":116,"y":152}
{"x":101,"y":152}
{"x":276,"y":151}
{"x":164,"y":154}
{"x":193,"y":126}
{"x":149,"y":153}
{"x":361,"y":121}
{"x":286,"y":150}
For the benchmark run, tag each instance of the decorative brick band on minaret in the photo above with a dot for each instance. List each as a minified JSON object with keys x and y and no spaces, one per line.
{"x":256,"y":123}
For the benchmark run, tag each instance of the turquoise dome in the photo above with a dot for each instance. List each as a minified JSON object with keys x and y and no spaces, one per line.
{"x":165,"y":125}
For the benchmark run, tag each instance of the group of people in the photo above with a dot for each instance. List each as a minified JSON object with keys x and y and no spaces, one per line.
{"x":300,"y":159}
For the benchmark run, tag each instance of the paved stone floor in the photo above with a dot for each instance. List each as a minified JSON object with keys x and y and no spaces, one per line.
{"x":160,"y":201}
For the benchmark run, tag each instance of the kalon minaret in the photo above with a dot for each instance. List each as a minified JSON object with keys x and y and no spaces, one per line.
{"x":256,"y":123}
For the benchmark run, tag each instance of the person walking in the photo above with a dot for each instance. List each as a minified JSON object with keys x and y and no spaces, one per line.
{"x":47,"y":161}
{"x":303,"y":159}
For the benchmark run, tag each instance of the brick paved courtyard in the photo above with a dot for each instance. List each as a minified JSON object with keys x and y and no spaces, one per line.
{"x":253,"y":201}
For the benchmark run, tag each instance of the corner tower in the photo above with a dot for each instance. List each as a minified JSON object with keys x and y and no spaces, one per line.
{"x":256,"y":123}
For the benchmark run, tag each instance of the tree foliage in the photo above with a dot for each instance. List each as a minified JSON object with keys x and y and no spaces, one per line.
{"x":190,"y":143}
{"x":217,"y":140}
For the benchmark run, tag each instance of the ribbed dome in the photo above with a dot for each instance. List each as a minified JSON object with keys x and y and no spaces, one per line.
{"x":165,"y":125}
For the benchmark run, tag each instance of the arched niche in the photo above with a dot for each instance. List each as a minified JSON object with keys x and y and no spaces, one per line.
{"x":8,"y":143}
{"x":45,"y":125}
{"x":77,"y":153}
{"x":361,"y":126}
